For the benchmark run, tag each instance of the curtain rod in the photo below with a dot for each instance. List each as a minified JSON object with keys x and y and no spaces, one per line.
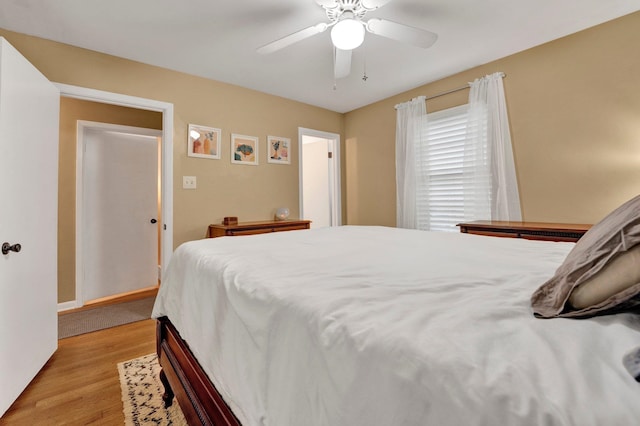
{"x":457,"y":89}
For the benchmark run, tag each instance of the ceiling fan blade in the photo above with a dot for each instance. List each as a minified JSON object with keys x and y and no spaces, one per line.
{"x":341,"y":63}
{"x":373,"y":4}
{"x":400,"y":32}
{"x":292,"y":38}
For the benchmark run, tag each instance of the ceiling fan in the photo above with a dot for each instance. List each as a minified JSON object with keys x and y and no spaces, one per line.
{"x":348,"y":30}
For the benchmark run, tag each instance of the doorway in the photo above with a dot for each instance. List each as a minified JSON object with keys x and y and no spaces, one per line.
{"x":320,"y":177}
{"x":118,"y":177}
{"x":165,"y":219}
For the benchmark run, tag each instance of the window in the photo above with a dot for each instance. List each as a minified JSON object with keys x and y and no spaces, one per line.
{"x":456,"y":165}
{"x":453,"y":180}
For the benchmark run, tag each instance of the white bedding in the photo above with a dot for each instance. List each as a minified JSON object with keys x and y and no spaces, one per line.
{"x":385,"y":326}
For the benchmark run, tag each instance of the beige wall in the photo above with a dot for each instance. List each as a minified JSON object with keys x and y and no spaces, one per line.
{"x":72,"y":110}
{"x":249,"y":192}
{"x":574,"y":110}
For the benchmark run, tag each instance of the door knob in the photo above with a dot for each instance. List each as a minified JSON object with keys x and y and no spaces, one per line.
{"x":153,"y":221}
{"x":6,"y":248}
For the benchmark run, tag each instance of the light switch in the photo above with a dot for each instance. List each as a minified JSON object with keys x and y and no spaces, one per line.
{"x":188,"y":182}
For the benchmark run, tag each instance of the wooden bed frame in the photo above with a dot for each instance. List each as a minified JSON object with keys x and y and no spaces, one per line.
{"x":184,"y":378}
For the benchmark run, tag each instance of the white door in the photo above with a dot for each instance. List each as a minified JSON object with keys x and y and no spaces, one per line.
{"x":317,"y":197}
{"x":29,"y":108}
{"x":320,"y":178}
{"x":120,"y":223}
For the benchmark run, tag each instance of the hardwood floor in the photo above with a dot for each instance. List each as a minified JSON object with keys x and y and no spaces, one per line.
{"x":79,"y":385}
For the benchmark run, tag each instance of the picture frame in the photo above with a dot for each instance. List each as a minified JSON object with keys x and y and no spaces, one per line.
{"x":204,"y":142}
{"x":244,"y":149}
{"x":278,"y":150}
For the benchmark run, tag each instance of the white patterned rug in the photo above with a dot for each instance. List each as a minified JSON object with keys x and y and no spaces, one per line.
{"x":142,"y":394}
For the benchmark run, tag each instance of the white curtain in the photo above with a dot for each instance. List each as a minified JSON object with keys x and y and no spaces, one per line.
{"x":490,"y":161}
{"x":410,"y":122}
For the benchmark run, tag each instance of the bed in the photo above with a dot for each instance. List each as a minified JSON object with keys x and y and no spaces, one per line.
{"x":359,"y":325}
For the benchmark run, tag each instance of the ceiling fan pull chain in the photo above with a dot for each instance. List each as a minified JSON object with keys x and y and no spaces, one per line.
{"x":364,"y":74}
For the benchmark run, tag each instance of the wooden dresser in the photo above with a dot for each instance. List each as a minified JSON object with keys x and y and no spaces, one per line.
{"x":529,"y":230}
{"x":252,"y":228}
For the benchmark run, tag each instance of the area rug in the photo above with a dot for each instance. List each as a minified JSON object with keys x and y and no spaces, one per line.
{"x":142,"y":394}
{"x":102,"y":317}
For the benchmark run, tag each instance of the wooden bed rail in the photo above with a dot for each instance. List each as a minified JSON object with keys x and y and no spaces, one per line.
{"x":184,"y":378}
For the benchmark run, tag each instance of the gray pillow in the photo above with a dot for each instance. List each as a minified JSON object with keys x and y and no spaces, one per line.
{"x":613,"y":236}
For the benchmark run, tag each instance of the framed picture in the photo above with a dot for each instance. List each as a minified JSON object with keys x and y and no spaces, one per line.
{"x":204,"y":142}
{"x":278,"y":150}
{"x":244,"y":150}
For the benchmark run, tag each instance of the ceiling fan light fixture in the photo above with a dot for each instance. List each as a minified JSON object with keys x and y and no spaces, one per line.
{"x":347,"y":34}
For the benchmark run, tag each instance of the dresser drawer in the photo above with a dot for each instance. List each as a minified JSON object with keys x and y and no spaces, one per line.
{"x":237,"y":232}
{"x":529,"y":230}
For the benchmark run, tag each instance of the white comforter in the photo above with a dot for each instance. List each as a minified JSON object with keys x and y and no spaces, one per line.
{"x":384,"y":326}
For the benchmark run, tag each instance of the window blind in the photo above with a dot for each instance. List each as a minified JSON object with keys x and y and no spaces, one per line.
{"x":450,"y":187}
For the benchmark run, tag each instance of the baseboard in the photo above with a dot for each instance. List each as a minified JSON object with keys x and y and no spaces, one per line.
{"x":75,"y":305}
{"x":65,"y":306}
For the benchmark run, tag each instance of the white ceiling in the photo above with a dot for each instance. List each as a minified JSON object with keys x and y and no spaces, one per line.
{"x":218,"y":39}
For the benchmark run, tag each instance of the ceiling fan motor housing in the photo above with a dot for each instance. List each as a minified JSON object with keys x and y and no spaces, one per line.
{"x":355,"y":8}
